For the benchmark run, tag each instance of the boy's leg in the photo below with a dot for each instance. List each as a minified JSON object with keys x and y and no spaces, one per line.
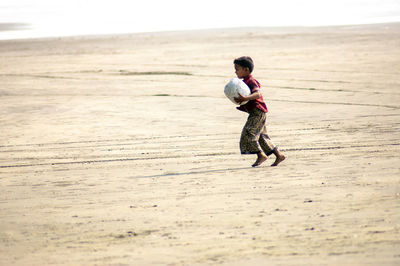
{"x":250,"y":135}
{"x":266,"y":143}
{"x":269,"y":148}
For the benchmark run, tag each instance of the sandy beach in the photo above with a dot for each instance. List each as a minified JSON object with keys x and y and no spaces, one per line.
{"x":123,"y":150}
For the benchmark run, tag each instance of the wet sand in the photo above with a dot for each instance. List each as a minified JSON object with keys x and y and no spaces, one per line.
{"x":123,"y":150}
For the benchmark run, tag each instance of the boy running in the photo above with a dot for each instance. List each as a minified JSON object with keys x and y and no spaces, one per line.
{"x":254,"y":138}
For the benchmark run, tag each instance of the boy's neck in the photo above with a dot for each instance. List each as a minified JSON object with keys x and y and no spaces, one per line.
{"x":246,"y":77}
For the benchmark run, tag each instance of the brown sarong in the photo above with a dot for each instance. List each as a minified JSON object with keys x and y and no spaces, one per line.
{"x":254,"y":134}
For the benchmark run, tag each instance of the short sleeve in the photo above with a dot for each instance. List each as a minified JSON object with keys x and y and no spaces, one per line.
{"x":254,"y":86}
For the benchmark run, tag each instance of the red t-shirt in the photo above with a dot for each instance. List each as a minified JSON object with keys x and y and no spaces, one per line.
{"x":259,"y":103}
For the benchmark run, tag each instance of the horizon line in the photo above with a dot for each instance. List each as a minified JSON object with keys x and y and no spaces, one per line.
{"x":13,"y":27}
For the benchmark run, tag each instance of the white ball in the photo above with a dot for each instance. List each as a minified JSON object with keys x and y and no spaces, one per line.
{"x":234,"y":87}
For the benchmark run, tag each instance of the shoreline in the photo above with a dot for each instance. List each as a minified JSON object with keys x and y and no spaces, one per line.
{"x":272,"y":30}
{"x":13,"y":26}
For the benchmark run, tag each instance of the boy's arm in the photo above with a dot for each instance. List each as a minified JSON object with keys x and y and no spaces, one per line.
{"x":253,"y":96}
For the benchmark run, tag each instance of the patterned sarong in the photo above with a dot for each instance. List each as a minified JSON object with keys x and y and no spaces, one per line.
{"x":254,"y":134}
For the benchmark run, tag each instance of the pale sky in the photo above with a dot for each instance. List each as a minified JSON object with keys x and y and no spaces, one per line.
{"x":76,"y":17}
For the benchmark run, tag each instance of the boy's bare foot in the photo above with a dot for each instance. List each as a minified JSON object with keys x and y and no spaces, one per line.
{"x":278,"y":160}
{"x":260,"y":159}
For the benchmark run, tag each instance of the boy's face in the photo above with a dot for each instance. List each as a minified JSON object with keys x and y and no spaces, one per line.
{"x":241,"y":72}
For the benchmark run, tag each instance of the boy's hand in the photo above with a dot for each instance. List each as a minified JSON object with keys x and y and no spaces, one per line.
{"x":240,"y":99}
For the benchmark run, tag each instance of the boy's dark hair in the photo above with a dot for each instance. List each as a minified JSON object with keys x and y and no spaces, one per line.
{"x":245,"y":61}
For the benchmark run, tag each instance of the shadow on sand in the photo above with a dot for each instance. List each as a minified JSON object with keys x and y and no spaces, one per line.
{"x":194,"y":172}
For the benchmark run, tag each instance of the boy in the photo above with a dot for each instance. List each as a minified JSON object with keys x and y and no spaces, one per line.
{"x":254,"y":138}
